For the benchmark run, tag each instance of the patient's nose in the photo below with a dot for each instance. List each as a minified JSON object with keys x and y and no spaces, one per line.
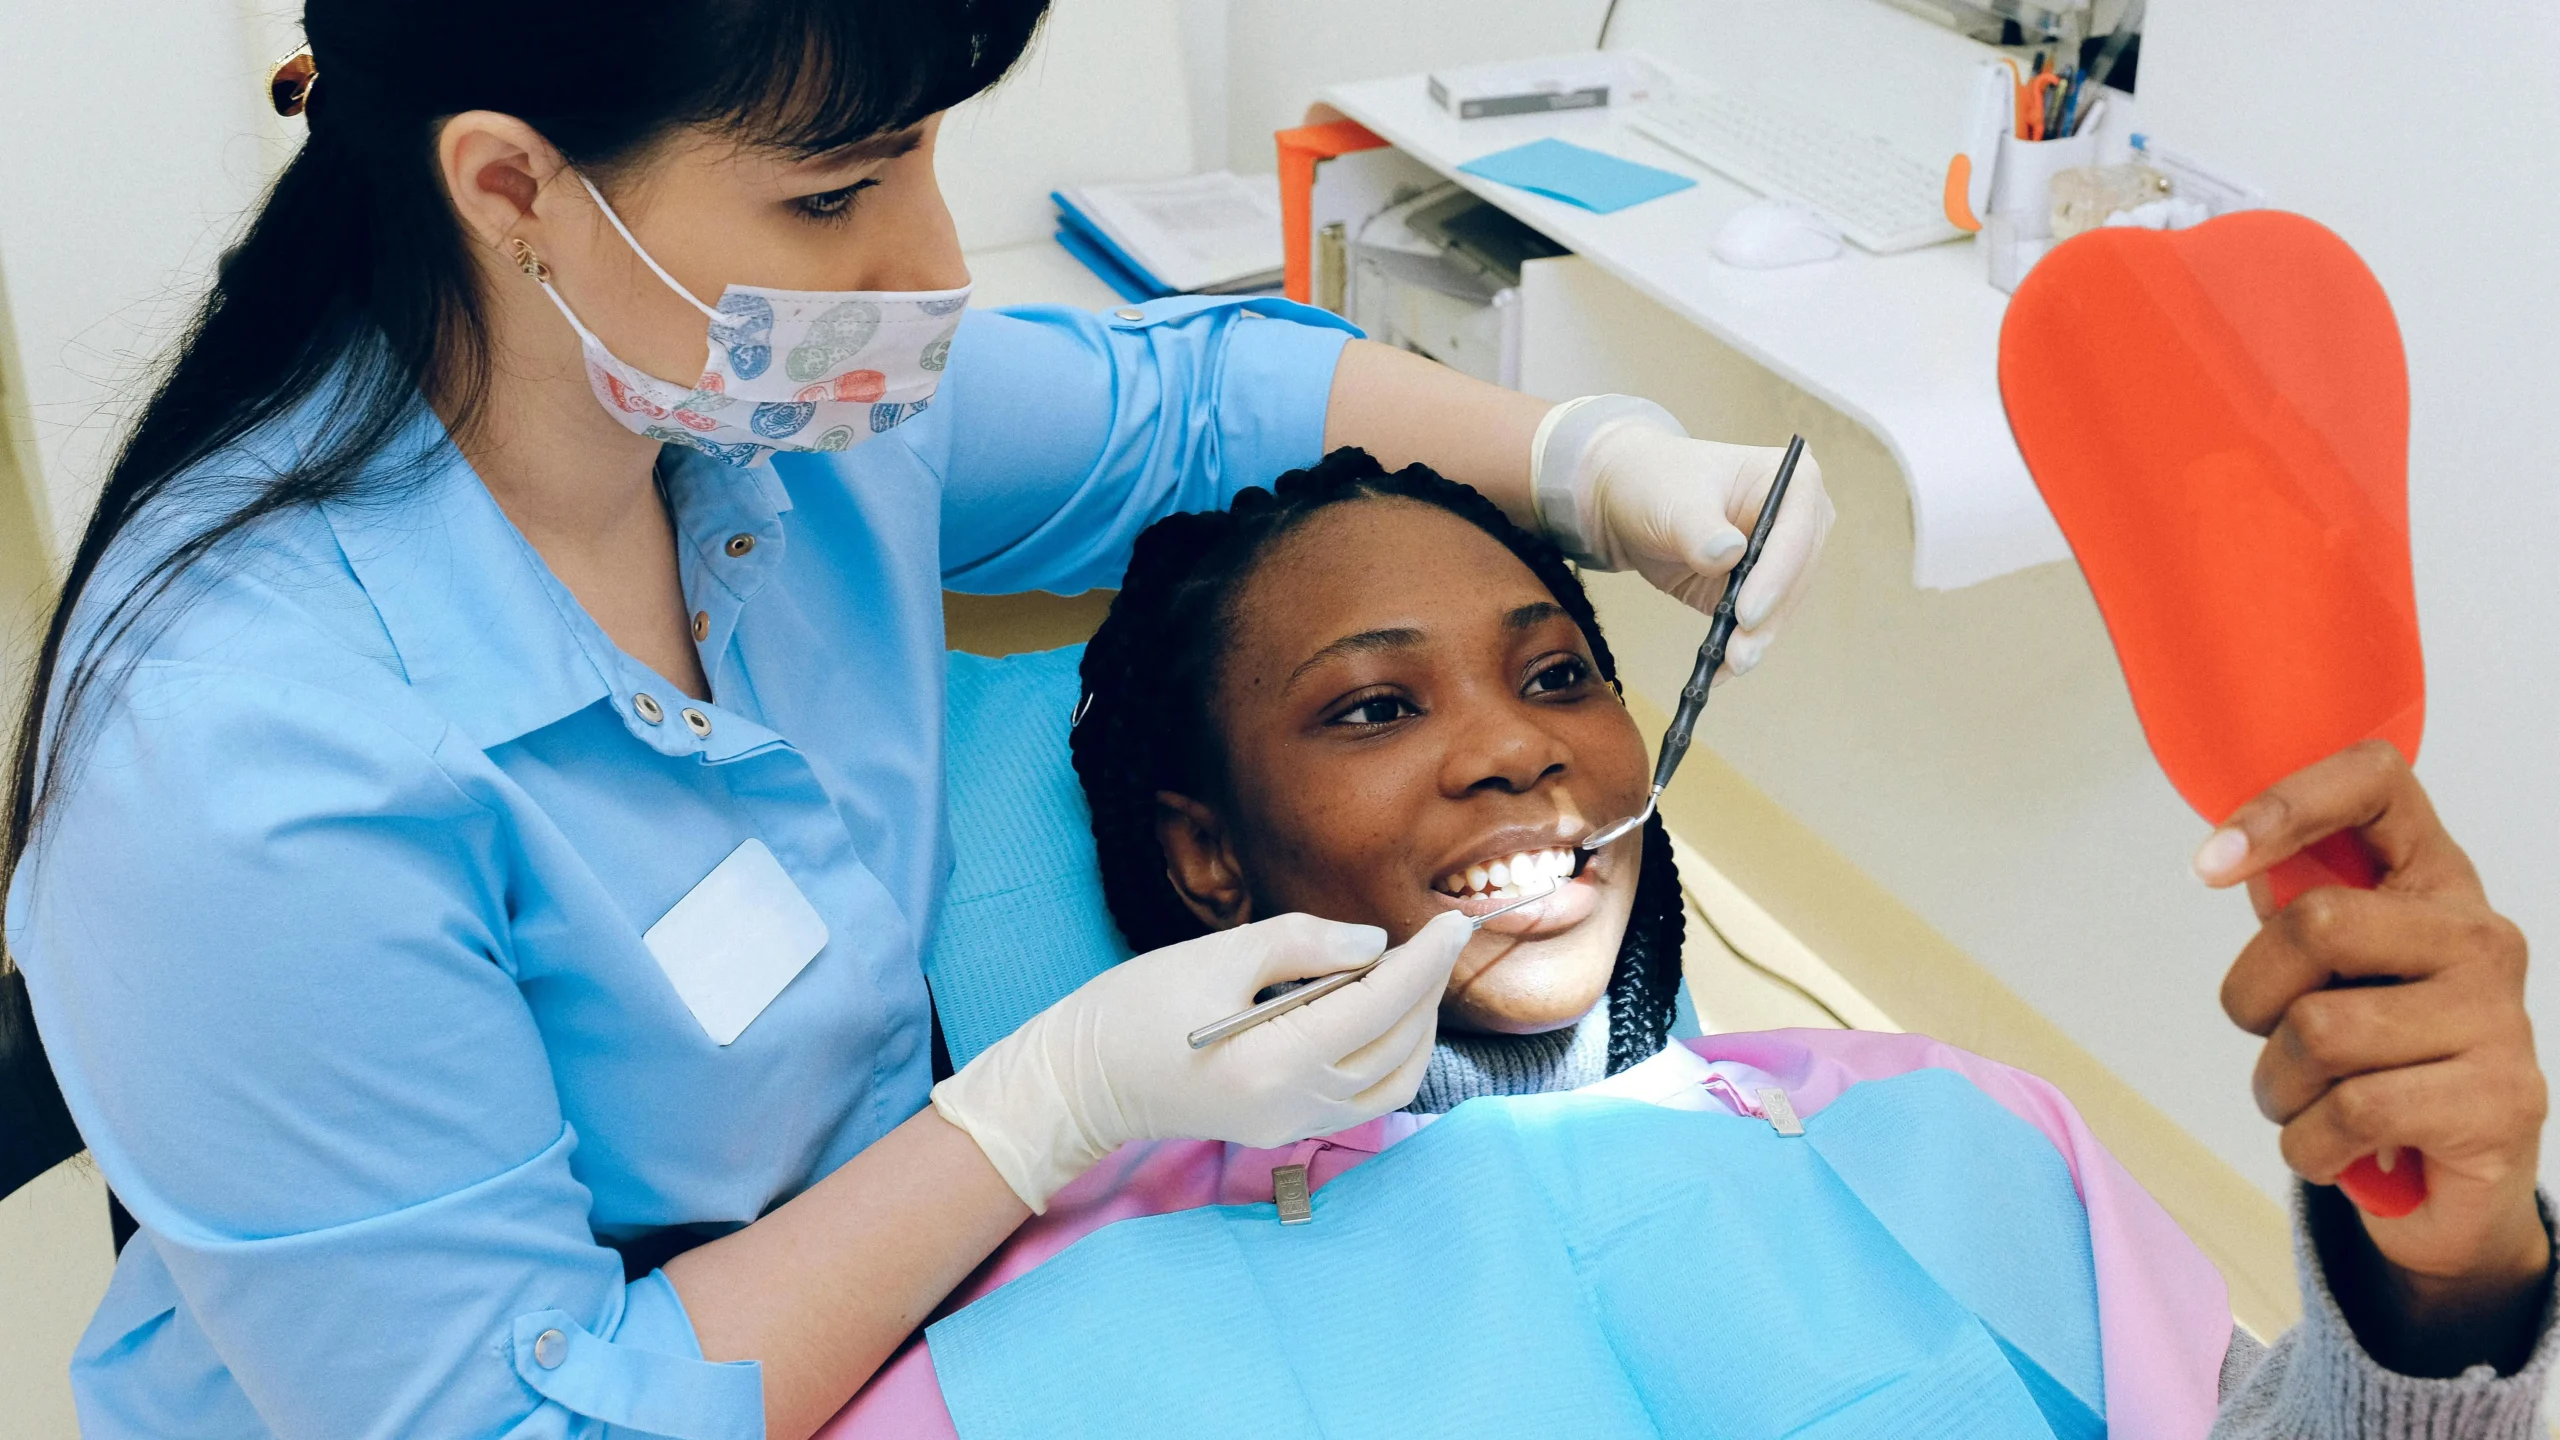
{"x":1503,"y":748}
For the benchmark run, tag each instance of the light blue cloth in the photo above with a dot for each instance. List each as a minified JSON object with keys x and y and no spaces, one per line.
{"x":1023,"y":921}
{"x":1563,"y":171}
{"x":335,"y":937}
{"x":1917,"y":1264}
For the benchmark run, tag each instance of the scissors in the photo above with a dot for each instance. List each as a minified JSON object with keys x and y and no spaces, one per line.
{"x":1693,"y":699}
{"x":1279,"y":1005}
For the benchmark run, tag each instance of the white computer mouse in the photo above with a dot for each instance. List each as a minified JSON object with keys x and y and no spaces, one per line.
{"x":1768,"y":234}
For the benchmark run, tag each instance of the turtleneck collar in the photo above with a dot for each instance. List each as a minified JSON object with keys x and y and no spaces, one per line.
{"x":1467,"y":1065}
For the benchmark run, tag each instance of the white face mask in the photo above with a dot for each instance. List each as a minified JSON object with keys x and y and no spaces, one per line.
{"x":788,"y":369}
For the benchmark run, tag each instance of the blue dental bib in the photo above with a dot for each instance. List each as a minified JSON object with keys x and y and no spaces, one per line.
{"x":1916,"y":1264}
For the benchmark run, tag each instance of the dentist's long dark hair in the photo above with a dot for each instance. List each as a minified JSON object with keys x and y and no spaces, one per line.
{"x":353,"y":286}
{"x":1145,"y":725}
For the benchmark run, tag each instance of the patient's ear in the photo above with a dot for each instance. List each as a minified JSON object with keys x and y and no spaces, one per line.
{"x":1201,"y":862}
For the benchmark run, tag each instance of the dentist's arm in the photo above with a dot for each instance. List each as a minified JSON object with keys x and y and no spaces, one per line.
{"x":1613,"y":480}
{"x":2442,"y":1062}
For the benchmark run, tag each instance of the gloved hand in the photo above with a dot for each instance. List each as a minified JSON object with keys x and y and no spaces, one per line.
{"x":1620,"y":486}
{"x":1112,"y":1062}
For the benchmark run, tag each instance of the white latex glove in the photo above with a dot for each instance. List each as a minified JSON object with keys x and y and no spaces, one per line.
{"x":1113,"y":1063}
{"x":1620,"y":486}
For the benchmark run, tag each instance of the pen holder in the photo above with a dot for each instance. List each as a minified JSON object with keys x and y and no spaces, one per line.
{"x":2020,"y":227}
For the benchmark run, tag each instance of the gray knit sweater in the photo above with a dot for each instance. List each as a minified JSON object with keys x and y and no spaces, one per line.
{"x":2317,"y":1383}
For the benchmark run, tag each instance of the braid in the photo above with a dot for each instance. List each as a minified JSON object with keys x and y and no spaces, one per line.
{"x":1144,"y":725}
{"x":1644,"y":990}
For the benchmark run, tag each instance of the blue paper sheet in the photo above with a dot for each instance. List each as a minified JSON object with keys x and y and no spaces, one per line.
{"x":1917,"y":1265}
{"x":1561,"y":171}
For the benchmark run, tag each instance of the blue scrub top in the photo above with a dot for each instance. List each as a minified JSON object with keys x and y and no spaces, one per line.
{"x":334,"y":936}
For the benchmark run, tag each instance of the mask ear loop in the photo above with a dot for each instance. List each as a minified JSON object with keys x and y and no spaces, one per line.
{"x":645,"y":257}
{"x":530,"y":263}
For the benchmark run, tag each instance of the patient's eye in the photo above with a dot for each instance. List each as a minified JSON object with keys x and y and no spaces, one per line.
{"x":1379,"y":709}
{"x":1571,"y":672}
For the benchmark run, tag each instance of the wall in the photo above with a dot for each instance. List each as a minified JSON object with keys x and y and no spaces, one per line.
{"x":1280,"y":53}
{"x":1106,"y":93}
{"x":129,"y":168}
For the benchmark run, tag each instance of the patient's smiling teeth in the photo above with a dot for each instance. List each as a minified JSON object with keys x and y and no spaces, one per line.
{"x":1511,"y":876}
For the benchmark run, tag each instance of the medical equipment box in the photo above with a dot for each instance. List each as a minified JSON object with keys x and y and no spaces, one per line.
{"x":1572,"y":82}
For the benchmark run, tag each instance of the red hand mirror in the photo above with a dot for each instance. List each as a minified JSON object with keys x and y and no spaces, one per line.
{"x":2219,"y":419}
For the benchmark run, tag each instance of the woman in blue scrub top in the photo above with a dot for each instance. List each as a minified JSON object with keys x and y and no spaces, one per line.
{"x":484,"y":801}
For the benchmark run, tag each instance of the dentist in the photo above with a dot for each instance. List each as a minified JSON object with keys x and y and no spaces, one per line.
{"x":480,"y":809}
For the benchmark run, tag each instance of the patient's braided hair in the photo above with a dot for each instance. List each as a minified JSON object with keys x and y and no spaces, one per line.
{"x":1144,"y":724}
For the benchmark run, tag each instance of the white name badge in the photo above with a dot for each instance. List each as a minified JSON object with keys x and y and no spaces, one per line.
{"x":735,"y":940}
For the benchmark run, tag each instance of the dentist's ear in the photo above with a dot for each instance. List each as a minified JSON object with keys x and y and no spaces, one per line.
{"x":1200,"y":861}
{"x":494,"y":169}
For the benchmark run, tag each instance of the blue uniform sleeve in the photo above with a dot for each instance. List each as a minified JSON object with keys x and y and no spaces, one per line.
{"x":1062,"y":434}
{"x":266,"y":933}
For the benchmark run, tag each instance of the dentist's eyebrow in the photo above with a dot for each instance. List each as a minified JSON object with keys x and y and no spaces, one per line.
{"x":887,"y":145}
{"x":1364,"y":643}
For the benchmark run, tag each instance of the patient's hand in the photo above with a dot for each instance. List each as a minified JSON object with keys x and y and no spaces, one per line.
{"x":2442,"y":1063}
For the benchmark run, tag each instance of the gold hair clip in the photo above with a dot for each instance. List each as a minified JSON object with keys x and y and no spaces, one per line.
{"x":289,"y":82}
{"x":527,"y":261}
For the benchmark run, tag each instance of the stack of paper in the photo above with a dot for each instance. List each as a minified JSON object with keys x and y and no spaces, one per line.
{"x":1215,"y":234}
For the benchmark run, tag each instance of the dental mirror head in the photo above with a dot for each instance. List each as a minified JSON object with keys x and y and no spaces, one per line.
{"x":1610,"y":834}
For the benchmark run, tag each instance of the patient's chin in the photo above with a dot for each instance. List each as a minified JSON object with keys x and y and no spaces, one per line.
{"x":1526,"y":989}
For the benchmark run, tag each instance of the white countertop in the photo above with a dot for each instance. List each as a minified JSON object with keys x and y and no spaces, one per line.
{"x":1906,"y":345}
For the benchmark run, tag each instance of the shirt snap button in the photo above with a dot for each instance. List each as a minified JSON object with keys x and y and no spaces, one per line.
{"x":701,"y":625}
{"x":1129,"y":312}
{"x":697,"y":722}
{"x":549,"y":1349}
{"x":648,"y":708}
{"x":740,"y":544}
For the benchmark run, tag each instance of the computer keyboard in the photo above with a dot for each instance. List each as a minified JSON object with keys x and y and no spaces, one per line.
{"x":1881,"y":196}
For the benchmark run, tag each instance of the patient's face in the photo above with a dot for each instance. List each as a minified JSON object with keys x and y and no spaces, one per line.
{"x":1407,"y":714}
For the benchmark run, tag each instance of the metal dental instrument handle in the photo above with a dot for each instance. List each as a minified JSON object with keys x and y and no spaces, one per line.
{"x":1693,"y":700}
{"x":1313,"y":990}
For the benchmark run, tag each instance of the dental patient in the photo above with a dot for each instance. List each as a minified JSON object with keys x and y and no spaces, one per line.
{"x":1376,"y":700}
{"x":1371,"y":697}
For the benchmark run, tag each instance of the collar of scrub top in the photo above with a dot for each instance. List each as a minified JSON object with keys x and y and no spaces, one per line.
{"x":494,"y":642}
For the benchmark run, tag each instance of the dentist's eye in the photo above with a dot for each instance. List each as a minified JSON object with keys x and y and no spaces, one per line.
{"x":1371,"y":710}
{"x":828,"y":205}
{"x":1569,"y":673}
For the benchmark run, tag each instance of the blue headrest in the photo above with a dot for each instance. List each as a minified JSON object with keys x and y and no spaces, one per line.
{"x":1022,"y":920}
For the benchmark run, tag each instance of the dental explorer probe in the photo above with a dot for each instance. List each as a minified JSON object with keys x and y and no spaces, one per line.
{"x":1693,"y":700}
{"x":1279,"y":1005}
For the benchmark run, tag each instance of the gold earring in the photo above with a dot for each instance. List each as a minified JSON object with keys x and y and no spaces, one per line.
{"x":527,"y":261}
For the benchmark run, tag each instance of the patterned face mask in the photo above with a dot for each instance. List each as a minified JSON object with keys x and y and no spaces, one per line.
{"x":788,"y":370}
